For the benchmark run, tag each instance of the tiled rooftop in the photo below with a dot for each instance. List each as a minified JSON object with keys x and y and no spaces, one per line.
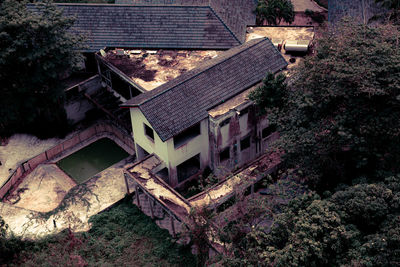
{"x":151,"y":26}
{"x":184,"y":101}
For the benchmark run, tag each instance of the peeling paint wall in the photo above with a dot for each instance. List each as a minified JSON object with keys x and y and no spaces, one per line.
{"x":230,"y":135}
{"x":166,"y":151}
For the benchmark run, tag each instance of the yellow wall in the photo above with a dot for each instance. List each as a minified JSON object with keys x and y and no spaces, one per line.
{"x":166,"y":150}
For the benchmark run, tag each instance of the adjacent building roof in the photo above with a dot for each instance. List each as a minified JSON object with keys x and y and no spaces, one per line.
{"x":181,"y":103}
{"x":228,"y":10}
{"x":194,"y":26}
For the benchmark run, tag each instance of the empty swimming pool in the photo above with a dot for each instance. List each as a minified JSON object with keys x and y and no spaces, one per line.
{"x":92,"y":159}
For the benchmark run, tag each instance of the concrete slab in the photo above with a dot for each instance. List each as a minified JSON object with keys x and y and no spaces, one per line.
{"x":74,"y":211}
{"x":151,"y":70}
{"x":42,"y":190}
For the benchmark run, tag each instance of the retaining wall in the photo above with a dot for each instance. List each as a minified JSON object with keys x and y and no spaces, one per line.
{"x":61,"y":148}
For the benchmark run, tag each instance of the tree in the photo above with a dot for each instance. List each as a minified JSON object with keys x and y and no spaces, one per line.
{"x":274,"y":11}
{"x":391,"y":4}
{"x":356,"y":226}
{"x":36,"y":49}
{"x":393,"y":7}
{"x":339,"y":119}
{"x":271,"y":93}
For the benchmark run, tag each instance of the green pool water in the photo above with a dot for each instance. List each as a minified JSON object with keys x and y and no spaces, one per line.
{"x":92,"y":159}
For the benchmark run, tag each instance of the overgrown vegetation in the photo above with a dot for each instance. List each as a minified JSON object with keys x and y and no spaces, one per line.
{"x":36,"y":50}
{"x":122,"y":236}
{"x":274,"y":11}
{"x":339,"y":128}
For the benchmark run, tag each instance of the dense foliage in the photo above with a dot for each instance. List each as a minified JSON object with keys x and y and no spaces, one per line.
{"x":274,"y":11}
{"x":122,"y":236}
{"x":36,"y":50}
{"x":271,"y":93}
{"x":340,"y":118}
{"x":356,"y":226}
{"x":339,"y":123}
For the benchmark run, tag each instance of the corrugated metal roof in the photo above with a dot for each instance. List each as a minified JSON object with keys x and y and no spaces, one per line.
{"x":184,"y":101}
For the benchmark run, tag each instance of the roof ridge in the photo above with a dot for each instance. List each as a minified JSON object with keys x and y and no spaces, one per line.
{"x":222,"y":60}
{"x":223,"y":22}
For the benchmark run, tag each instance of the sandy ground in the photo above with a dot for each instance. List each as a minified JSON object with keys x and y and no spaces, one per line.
{"x":20,"y":148}
{"x":42,"y":190}
{"x":74,"y":211}
{"x":302,"y":5}
{"x":284,"y":34}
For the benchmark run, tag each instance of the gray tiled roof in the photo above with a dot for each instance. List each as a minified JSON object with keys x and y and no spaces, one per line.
{"x":151,"y":26}
{"x":184,"y":101}
{"x":236,"y":14}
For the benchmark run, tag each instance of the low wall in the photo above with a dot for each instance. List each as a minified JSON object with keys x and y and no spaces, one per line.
{"x":61,"y":148}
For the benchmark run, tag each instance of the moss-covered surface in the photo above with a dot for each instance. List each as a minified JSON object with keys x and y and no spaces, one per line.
{"x":122,"y":236}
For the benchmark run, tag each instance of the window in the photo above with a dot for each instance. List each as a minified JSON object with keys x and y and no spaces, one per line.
{"x":245,"y":143}
{"x":225,"y":122}
{"x":267,"y":131}
{"x":149,"y":132}
{"x":243,"y":111}
{"x":188,"y":168}
{"x":186,"y":135}
{"x":224,"y":154}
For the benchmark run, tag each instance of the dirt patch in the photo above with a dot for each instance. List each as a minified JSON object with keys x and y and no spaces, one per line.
{"x":21,"y":147}
{"x":42,"y":190}
{"x":133,"y":68}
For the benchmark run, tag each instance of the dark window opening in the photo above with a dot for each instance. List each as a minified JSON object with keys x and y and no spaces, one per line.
{"x":225,"y":122}
{"x":245,"y":143}
{"x":224,"y":154}
{"x":267,"y":131}
{"x":186,"y":135}
{"x":123,"y":88}
{"x":243,"y":111}
{"x":148,"y":131}
{"x":141,"y":152}
{"x":164,"y":174}
{"x":188,"y":168}
{"x":90,"y":62}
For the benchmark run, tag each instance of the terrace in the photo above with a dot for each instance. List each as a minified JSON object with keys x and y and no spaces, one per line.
{"x":148,"y":69}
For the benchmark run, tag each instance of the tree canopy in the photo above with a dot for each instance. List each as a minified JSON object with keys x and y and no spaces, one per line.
{"x":36,"y":50}
{"x":340,"y":117}
{"x":356,"y":226}
{"x":274,"y":11}
{"x":339,"y":124}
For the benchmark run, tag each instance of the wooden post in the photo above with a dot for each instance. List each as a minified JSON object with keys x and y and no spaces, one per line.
{"x":137,"y":196}
{"x":151,"y":207}
{"x":172,"y":224}
{"x":126,"y":183}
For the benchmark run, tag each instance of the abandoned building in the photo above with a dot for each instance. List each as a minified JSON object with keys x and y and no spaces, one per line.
{"x":184,"y":71}
{"x":203,"y":117}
